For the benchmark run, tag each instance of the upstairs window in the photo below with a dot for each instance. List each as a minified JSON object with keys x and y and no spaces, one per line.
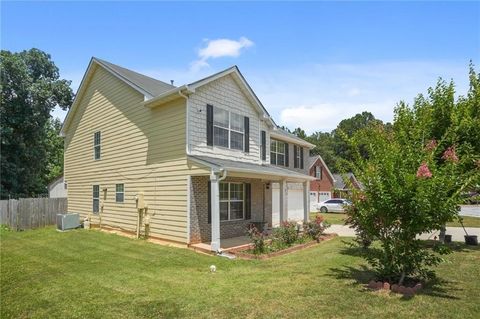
{"x":277,"y":152}
{"x":318,"y":172}
{"x":298,"y":157}
{"x":96,"y":199}
{"x":97,"y":140}
{"x":228,"y":129}
{"x":119,"y":193}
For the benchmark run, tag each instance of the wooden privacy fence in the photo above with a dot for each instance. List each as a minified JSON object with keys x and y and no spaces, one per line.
{"x":30,"y":213}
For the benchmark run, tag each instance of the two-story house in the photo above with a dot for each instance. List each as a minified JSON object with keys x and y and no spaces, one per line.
{"x":190,"y":164}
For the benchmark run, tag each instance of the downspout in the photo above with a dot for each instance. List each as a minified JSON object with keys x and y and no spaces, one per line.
{"x":224,"y":175}
{"x":187,"y":130}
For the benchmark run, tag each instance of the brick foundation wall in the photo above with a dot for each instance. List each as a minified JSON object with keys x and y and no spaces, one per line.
{"x":200,"y":229}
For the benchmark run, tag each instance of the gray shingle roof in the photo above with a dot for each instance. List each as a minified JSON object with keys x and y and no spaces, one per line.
{"x":283,"y":132}
{"x":264,"y":169}
{"x":311,"y":160}
{"x":340,"y":182}
{"x":152,"y":86}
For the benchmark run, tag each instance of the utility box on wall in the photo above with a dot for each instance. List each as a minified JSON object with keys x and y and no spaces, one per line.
{"x":139,"y":198}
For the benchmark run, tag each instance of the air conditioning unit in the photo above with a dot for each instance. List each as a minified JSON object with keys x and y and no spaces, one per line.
{"x":67,"y":221}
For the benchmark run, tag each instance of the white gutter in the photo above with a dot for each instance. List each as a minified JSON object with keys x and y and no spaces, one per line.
{"x":292,"y":140}
{"x":184,"y":88}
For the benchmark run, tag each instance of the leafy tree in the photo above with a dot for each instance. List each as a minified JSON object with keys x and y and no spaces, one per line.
{"x":30,"y":89}
{"x":348,"y":128}
{"x":414,"y":175}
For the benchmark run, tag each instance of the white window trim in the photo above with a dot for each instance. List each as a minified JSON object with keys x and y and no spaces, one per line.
{"x":298,"y":158}
{"x":276,"y":152}
{"x":229,"y":129}
{"x":234,"y":201}
{"x":96,"y":198}
{"x":99,"y":145}
{"x":123,"y":201}
{"x":318,"y":172}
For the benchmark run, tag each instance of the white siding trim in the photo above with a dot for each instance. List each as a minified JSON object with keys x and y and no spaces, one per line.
{"x":189,"y":194}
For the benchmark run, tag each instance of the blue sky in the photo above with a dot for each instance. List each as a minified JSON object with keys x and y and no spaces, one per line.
{"x":311,"y":64}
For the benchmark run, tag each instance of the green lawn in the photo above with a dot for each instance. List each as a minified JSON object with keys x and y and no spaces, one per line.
{"x":332,"y":218}
{"x":467,"y":222}
{"x":339,"y":219}
{"x":90,"y":274}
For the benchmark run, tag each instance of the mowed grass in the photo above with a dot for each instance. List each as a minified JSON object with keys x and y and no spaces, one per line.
{"x":339,"y":219}
{"x":91,"y":274}
{"x":332,"y":218}
{"x":468,"y":221}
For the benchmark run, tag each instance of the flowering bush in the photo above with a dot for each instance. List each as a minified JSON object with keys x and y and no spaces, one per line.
{"x":316,"y":227}
{"x":409,"y":189}
{"x":258,"y":239}
{"x":286,"y":234}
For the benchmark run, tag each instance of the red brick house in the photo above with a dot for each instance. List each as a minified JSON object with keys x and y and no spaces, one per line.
{"x":323,"y":186}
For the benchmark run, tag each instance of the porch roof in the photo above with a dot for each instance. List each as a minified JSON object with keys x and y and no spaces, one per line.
{"x":258,"y":170}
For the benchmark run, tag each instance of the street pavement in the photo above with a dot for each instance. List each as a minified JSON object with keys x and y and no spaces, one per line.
{"x":456,"y":232}
{"x":470,"y":210}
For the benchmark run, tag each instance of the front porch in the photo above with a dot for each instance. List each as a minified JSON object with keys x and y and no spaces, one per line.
{"x":222,"y":206}
{"x":226,"y":244}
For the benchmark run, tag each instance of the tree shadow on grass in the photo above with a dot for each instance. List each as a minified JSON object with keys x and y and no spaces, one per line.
{"x":362,"y":274}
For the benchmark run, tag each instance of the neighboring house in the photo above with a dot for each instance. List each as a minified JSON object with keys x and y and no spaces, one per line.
{"x":322,"y":187}
{"x":200,"y":162}
{"x":342,"y":184}
{"x":57,"y":188}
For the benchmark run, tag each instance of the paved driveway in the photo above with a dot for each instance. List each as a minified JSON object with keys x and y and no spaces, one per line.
{"x":456,"y":232}
{"x":470,"y":210}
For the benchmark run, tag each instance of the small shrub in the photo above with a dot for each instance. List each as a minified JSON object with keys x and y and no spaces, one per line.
{"x":316,"y":227}
{"x":286,"y":234}
{"x":258,"y":240}
{"x":4,"y":228}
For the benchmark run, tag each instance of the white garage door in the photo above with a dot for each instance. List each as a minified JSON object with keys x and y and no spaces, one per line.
{"x":313,"y":201}
{"x":323,"y":196}
{"x":295,"y":203}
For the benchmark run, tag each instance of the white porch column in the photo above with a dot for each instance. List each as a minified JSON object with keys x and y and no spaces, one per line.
{"x":306,"y":201}
{"x":215,"y":211}
{"x":283,"y":201}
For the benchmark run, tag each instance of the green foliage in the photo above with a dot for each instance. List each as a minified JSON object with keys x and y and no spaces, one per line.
{"x":414,"y":177}
{"x":316,"y":227}
{"x":286,"y":234}
{"x":30,"y":89}
{"x":258,"y":240}
{"x":333,"y":146}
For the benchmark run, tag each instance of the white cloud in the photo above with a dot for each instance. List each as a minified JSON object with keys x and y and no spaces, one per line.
{"x":317,"y":97}
{"x":220,"y":48}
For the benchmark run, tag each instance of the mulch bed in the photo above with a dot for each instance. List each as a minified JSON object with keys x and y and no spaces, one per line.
{"x":243,"y":254}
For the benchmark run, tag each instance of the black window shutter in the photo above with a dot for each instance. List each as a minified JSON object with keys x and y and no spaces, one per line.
{"x":209,"y":202}
{"x":248,"y":201}
{"x":264,"y":146}
{"x":209,"y":125}
{"x":247,"y":134}
{"x":301,"y":157}
{"x":295,"y":162}
{"x":286,"y":155}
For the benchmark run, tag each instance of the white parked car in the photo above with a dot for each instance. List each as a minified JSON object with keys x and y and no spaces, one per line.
{"x":334,"y":205}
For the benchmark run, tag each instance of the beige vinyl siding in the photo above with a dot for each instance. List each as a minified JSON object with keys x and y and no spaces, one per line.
{"x":142,"y":148}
